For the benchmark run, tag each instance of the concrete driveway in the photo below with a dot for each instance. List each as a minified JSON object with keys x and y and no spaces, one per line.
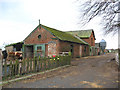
{"x":86,"y":72}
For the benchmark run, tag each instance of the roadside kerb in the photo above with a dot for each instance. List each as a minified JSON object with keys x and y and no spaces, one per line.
{"x":97,"y":56}
{"x":5,"y":82}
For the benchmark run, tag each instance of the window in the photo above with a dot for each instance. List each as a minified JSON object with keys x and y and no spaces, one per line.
{"x":90,"y":50}
{"x":39,"y":36}
{"x":39,"y":48}
{"x":39,"y":51}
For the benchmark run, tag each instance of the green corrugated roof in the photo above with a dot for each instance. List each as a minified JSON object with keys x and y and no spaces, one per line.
{"x":60,"y":35}
{"x":81,"y":33}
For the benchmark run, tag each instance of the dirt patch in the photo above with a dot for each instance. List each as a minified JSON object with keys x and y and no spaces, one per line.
{"x":92,"y":84}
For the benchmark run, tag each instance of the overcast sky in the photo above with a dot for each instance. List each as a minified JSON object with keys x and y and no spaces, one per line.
{"x":19,"y":17}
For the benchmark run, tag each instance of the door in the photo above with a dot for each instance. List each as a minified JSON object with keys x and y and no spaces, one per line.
{"x":72,"y":50}
{"x":28,"y":51}
{"x":80,"y":50}
{"x":40,"y":50}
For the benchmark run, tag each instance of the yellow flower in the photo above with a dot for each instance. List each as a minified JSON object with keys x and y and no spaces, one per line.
{"x":54,"y":58}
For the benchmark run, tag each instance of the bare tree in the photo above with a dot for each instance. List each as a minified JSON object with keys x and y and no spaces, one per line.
{"x":108,"y":10}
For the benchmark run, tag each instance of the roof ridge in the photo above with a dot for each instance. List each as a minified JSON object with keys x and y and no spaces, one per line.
{"x":80,"y":30}
{"x":53,"y":28}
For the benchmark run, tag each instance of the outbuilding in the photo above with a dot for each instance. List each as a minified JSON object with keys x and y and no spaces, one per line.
{"x":88,"y":36}
{"x":45,"y":41}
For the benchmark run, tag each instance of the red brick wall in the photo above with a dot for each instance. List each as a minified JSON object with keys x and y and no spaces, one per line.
{"x":89,"y":40}
{"x":65,"y":47}
{"x":76,"y":50}
{"x":85,"y":53}
{"x":45,"y":38}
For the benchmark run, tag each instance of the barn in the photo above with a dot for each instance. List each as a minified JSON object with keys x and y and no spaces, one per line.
{"x":45,"y":41}
{"x":88,"y":36}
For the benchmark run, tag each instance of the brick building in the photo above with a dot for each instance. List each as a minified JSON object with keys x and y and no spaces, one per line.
{"x":45,"y":41}
{"x":88,"y":36}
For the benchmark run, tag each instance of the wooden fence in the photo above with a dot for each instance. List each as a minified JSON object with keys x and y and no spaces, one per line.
{"x":19,"y":68}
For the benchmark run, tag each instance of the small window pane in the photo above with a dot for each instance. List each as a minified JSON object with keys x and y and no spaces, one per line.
{"x":39,"y":36}
{"x":39,"y":48}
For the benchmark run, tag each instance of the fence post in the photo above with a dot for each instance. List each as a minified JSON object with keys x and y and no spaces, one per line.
{"x":18,"y":64}
{"x":34,"y":62}
{"x":30,"y":65}
{"x":44,"y":63}
{"x":53,"y":62}
{"x":39,"y":64}
{"x":20,"y":68}
{"x":60,"y":61}
{"x":10,"y":68}
{"x":5,"y":70}
{"x":16,"y":67}
{"x":56,"y":61}
{"x":48,"y":63}
{"x":70,"y":60}
{"x":47,"y":67}
{"x":67,"y":60}
{"x":23,"y":68}
{"x":63,"y":60}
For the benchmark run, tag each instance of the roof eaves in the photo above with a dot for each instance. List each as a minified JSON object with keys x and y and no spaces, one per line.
{"x":13,"y":44}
